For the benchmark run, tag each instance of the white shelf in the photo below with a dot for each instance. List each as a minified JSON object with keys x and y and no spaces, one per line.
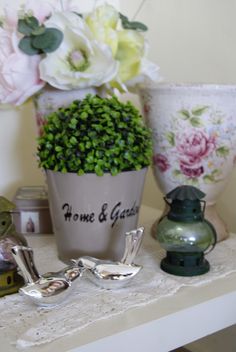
{"x":190,"y":314}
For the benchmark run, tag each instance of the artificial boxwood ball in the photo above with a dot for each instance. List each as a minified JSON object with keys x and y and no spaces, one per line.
{"x":95,"y":135}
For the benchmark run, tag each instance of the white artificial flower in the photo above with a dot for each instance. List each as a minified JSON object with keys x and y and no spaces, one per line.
{"x":103,"y":24}
{"x":80,"y":61}
{"x":148,"y":75}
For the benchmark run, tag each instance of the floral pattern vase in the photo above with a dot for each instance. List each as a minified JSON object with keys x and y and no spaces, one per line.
{"x":194,"y":134}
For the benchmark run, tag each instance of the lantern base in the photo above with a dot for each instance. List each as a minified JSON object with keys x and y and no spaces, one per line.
{"x":185,"y":264}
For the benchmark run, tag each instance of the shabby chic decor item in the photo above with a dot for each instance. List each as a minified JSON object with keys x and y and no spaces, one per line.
{"x":111,"y":275}
{"x":24,"y":324}
{"x":32,"y":214}
{"x":53,"y":287}
{"x":194,"y":135}
{"x":10,"y":281}
{"x":95,"y":153}
{"x":185,"y":234}
{"x":53,"y":43}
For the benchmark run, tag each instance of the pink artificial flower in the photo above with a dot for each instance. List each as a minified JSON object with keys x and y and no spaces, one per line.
{"x":195,"y":146}
{"x":39,"y":9}
{"x":191,"y":171}
{"x":19,"y":73}
{"x":161,"y":162}
{"x":42,"y":10}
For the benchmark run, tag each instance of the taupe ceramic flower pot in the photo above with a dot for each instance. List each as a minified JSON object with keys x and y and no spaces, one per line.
{"x":91,"y":214}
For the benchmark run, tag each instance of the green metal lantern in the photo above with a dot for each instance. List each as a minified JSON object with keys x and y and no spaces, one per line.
{"x":185,"y":234}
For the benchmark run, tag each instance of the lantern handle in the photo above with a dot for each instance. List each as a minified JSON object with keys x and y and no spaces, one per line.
{"x":215,"y":237}
{"x":168,"y":203}
{"x":203,"y":207}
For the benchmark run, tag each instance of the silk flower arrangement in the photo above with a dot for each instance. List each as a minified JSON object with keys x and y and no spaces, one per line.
{"x":43,"y":43}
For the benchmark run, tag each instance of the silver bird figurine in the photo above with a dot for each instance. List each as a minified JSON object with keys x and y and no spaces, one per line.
{"x":114,"y":275}
{"x":48,"y":289}
{"x":52,"y":288}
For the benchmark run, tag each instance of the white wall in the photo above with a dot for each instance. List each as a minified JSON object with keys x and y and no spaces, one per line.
{"x":191,"y":40}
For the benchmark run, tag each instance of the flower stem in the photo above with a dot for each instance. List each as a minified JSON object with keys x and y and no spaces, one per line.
{"x":139,"y":9}
{"x":62,"y":5}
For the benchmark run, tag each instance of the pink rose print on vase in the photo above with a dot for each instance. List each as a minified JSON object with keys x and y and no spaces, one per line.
{"x":41,"y":121}
{"x":161,"y":162}
{"x":193,"y":148}
{"x":191,"y":171}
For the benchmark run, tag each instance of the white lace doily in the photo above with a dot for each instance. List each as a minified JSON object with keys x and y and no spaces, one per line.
{"x":26,"y":325}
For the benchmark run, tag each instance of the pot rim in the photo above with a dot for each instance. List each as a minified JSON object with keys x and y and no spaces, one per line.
{"x":192,"y":86}
{"x":93,"y":174}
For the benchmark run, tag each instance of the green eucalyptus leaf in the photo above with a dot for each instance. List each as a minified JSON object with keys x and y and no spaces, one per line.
{"x":27,"y":25}
{"x":49,"y":41}
{"x":26,"y":46}
{"x":134,"y":25}
{"x":38,"y":31}
{"x":123,"y":17}
{"x":138,"y":26}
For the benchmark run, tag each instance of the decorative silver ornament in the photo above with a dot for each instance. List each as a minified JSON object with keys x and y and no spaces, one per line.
{"x":52,"y":288}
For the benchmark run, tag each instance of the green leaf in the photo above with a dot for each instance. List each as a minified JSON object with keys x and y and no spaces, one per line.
{"x":170,"y":136}
{"x":216,"y":172}
{"x":25,"y":45}
{"x":58,"y":148}
{"x":27,"y":25}
{"x":195,"y":122}
{"x":49,"y":41}
{"x":73,"y":140}
{"x":177,"y":173}
{"x":114,"y":171}
{"x":184,"y":114}
{"x":38,"y":31}
{"x":222,"y":151}
{"x":209,"y":179}
{"x":98,"y":170}
{"x":134,"y":25}
{"x":199,"y":110}
{"x":80,"y":172}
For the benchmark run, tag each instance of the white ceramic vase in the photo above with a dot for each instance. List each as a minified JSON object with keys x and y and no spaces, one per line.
{"x":194,"y":134}
{"x":50,"y":99}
